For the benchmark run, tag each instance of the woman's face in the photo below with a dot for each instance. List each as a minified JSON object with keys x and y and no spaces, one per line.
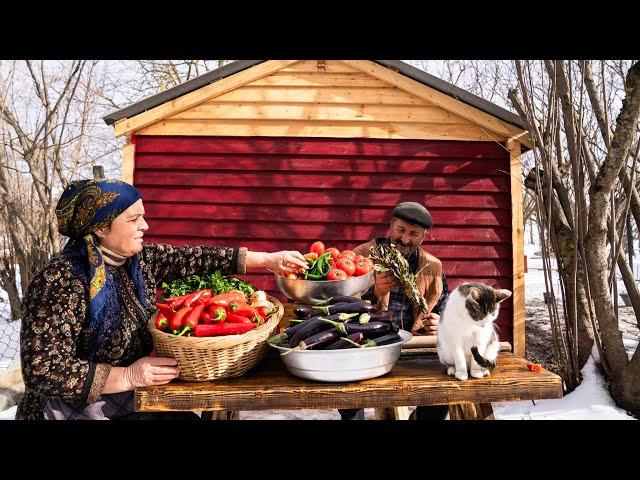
{"x":124,"y":235}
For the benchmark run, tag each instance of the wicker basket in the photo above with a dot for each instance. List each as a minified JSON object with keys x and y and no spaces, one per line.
{"x":215,"y":358}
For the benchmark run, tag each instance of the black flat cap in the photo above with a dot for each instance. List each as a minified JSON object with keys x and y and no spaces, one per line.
{"x":413,"y":213}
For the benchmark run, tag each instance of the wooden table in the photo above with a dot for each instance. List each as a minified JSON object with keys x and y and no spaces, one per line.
{"x":414,"y":380}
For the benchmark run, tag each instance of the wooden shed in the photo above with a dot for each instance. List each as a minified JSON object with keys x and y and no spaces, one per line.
{"x":276,"y":154}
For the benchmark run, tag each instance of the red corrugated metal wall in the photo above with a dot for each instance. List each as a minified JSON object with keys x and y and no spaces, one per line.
{"x":271,"y":194}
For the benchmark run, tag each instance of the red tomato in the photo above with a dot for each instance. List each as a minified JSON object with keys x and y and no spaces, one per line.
{"x":347,"y":265}
{"x":317,"y":247}
{"x":534,"y":367}
{"x":334,"y":252}
{"x":332,"y":263}
{"x":336,"y":274}
{"x":359,"y":258}
{"x":347,"y":253}
{"x":363,"y":267}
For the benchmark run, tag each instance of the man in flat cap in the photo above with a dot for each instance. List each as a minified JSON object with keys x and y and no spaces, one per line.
{"x":409,"y":224}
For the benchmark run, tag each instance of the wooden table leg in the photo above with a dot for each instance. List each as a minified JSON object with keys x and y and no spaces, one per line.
{"x":471,"y":411}
{"x":393,"y":413}
{"x":220,"y":415}
{"x":228,"y":415}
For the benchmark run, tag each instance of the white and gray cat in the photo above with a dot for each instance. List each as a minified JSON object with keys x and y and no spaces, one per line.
{"x":467,"y":340}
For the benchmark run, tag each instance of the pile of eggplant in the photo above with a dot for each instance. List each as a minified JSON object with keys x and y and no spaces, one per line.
{"x":346,"y":322}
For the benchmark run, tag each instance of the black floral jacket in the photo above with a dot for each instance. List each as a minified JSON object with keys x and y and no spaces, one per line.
{"x":54,"y":339}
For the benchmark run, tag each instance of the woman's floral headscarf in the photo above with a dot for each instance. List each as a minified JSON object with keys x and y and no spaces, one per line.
{"x":84,"y":207}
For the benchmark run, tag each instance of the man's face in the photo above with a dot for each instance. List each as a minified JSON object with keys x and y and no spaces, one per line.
{"x":405,"y":236}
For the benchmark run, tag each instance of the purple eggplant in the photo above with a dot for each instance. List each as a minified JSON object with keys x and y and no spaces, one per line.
{"x":384,"y":340}
{"x":343,"y":343}
{"x":289,"y":332}
{"x":293,"y":328}
{"x":309,"y":328}
{"x":347,"y":307}
{"x":344,"y":299}
{"x":303,"y":311}
{"x":369,"y":329}
{"x":385,"y":316}
{"x":315,"y":325}
{"x":319,"y":339}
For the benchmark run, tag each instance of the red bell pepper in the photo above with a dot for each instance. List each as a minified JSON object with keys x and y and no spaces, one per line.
{"x":165,"y":309}
{"x":193,"y":317}
{"x":206,"y":318}
{"x":222,"y":328}
{"x":194,"y":297}
{"x":223,"y":299}
{"x":264,"y":311}
{"x":173,"y":299}
{"x":161,"y":322}
{"x":218,"y":314}
{"x":179,"y":303}
{"x":247,"y":310}
{"x":176,"y":321}
{"x":235,"y":318}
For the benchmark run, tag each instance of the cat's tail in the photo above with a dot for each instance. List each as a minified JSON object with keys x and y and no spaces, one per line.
{"x":483,"y":362}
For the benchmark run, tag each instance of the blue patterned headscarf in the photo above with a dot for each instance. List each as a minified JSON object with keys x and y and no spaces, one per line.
{"x":84,"y":207}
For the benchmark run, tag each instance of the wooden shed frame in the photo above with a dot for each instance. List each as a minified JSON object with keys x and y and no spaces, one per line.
{"x":482,"y":121}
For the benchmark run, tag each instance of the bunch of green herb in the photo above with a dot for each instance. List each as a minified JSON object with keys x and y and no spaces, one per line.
{"x":217,"y":282}
{"x":318,"y":268}
{"x":388,"y":257}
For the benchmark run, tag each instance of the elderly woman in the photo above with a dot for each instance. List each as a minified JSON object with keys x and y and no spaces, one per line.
{"x":84,"y":344}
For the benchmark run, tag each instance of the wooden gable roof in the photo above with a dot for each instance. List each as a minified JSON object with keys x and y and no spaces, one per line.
{"x":419,"y":101}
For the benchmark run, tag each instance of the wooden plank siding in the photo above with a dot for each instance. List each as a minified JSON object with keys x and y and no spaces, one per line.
{"x":284,"y":193}
{"x":338,"y":102}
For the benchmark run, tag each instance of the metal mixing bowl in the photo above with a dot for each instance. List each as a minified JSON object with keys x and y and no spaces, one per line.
{"x":320,"y":291}
{"x":344,"y":365}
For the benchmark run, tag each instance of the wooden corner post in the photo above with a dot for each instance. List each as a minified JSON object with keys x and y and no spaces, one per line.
{"x":517,"y":241}
{"x":128,"y":160}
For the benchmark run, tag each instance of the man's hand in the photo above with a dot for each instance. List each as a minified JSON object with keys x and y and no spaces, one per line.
{"x":384,"y":283}
{"x":429,"y":322}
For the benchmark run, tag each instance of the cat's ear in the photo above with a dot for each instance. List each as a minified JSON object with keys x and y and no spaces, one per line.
{"x":474,"y":294}
{"x":502,"y":294}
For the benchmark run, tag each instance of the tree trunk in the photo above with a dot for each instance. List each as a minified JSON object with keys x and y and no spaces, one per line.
{"x":625,"y":390}
{"x":565,"y":257}
{"x":624,"y":378}
{"x":8,"y":283}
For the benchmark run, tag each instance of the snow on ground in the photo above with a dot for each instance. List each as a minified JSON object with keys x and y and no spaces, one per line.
{"x":9,"y":414}
{"x":589,"y":401}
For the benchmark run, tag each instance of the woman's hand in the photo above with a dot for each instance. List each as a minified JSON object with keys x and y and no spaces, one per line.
{"x":149,"y":371}
{"x":290,"y":261}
